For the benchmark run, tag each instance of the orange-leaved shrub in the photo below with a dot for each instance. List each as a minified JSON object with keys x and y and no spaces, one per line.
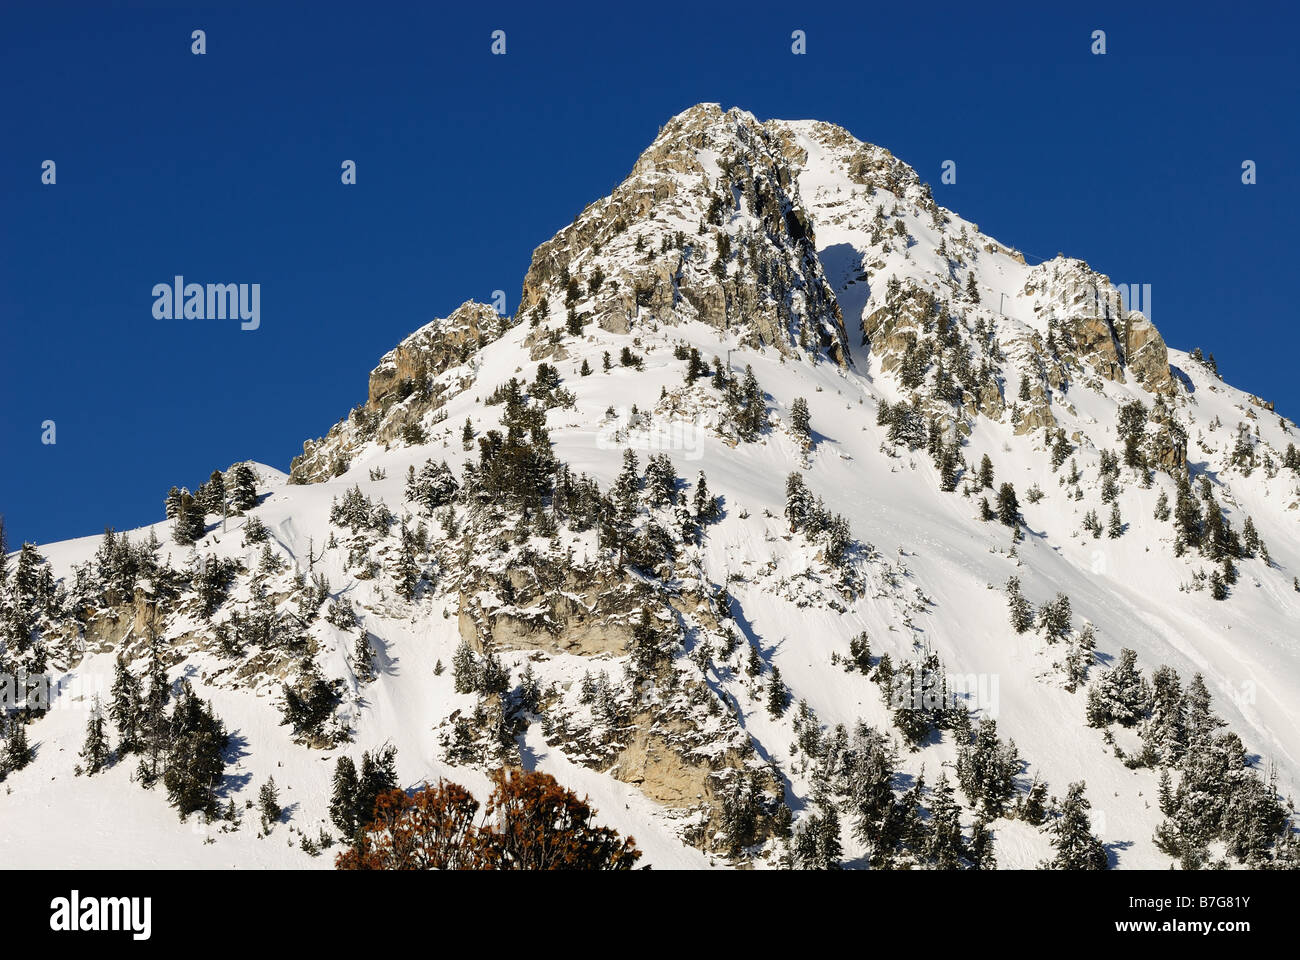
{"x":530,"y":823}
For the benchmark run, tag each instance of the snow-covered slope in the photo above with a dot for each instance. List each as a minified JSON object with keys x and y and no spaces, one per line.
{"x":919,"y":345}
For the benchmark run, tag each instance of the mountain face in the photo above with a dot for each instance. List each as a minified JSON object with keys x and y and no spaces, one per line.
{"x":790,"y":518}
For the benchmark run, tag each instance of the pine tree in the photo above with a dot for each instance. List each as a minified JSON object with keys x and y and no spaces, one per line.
{"x":214,"y":499}
{"x":1163,"y":730}
{"x":798,"y":502}
{"x":124,"y":708}
{"x":972,"y":290}
{"x":1054,"y":618}
{"x":378,"y":775}
{"x":195,"y":763}
{"x":268,"y":803}
{"x":947,"y":469}
{"x":1250,"y":537}
{"x":946,"y":846}
{"x":985,"y":475}
{"x":173,"y":503}
{"x":585,"y":369}
{"x":153,"y":714}
{"x":1121,"y":694}
{"x":467,"y":434}
{"x":95,"y":749}
{"x":189,"y":524}
{"x":860,"y":652}
{"x":1008,"y":505}
{"x":343,"y":801}
{"x":1115,"y":528}
{"x":986,"y":769}
{"x":1162,"y":507}
{"x":705,"y":504}
{"x":244,"y":496}
{"x":17,"y":751}
{"x":1218,"y":589}
{"x":361,"y":658}
{"x":800,"y":421}
{"x":1022,"y":615}
{"x":1034,"y":809}
{"x":778,"y":698}
{"x":982,"y":855}
{"x":465,"y":669}
{"x":1076,"y":847}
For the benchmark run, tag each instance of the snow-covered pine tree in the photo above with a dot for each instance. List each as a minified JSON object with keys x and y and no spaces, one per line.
{"x":1072,"y":837}
{"x":94,"y":751}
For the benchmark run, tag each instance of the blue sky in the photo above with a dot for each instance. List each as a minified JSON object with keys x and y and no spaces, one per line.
{"x":226,"y":168}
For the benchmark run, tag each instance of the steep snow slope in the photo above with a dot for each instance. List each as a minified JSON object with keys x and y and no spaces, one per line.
{"x":801,"y":293}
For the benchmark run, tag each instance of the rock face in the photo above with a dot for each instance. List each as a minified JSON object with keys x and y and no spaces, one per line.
{"x":433,"y":348}
{"x":1086,"y":314}
{"x":708,"y":226}
{"x":1146,"y":355}
{"x":410,"y":381}
{"x":549,"y":607}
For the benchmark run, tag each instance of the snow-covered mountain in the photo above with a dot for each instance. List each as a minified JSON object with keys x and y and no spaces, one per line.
{"x":752,"y":524}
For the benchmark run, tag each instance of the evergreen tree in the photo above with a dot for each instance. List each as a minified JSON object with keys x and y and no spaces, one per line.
{"x":244,"y":495}
{"x":172,"y":505}
{"x":153,"y":714}
{"x":946,"y":846}
{"x":1163,"y":730}
{"x":800,"y":421}
{"x":124,"y":707}
{"x":778,"y":698}
{"x":1072,"y":838}
{"x":1116,"y":526}
{"x":1121,"y":695}
{"x":982,"y":855}
{"x":707,"y":509}
{"x":1162,"y":507}
{"x":1008,"y":505}
{"x":860,"y":652}
{"x":1022,"y":615}
{"x":986,"y":769}
{"x":465,"y":670}
{"x":95,"y":749}
{"x":378,"y":775}
{"x":343,"y":801}
{"x":1034,"y":810}
{"x":798,"y":502}
{"x":361,"y":658}
{"x":214,"y":499}
{"x":189,"y":524}
{"x":947,"y":469}
{"x":985,"y":475}
{"x":268,"y":804}
{"x":195,"y":763}
{"x":17,"y":751}
{"x":1218,"y":589}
